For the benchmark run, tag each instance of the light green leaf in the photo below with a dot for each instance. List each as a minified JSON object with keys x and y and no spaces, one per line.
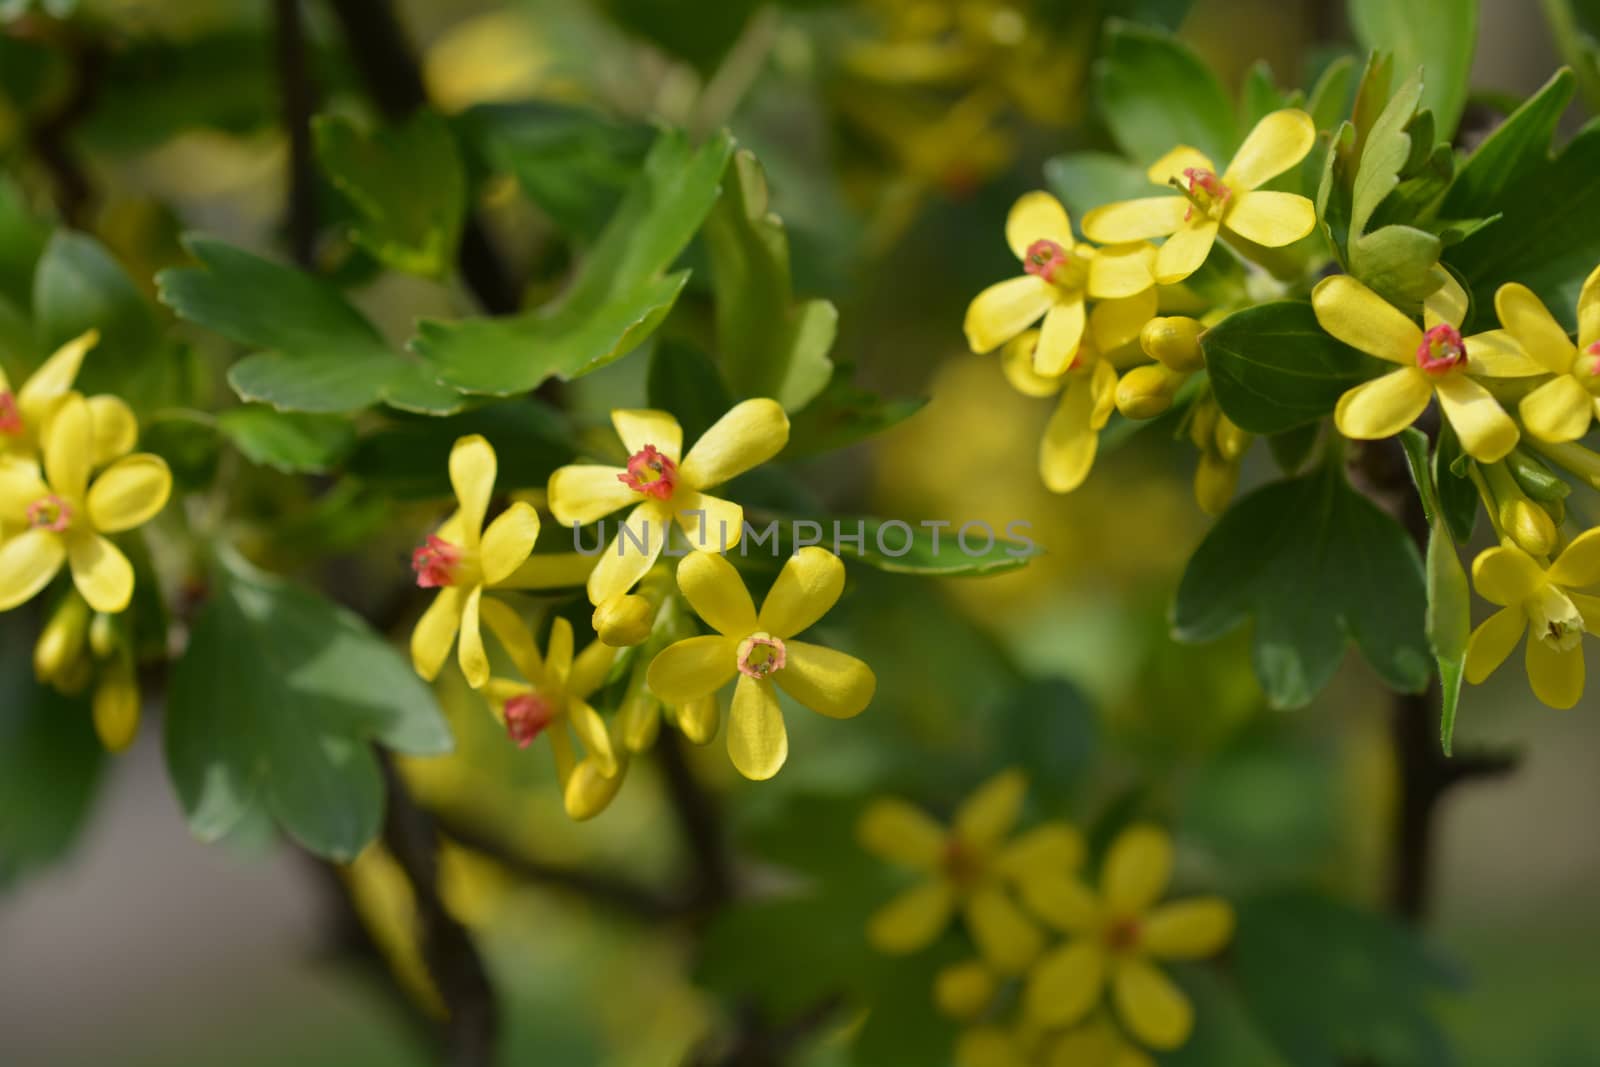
{"x":843,"y":415}
{"x":1517,"y":148}
{"x":1397,"y":262}
{"x":1087,"y":180}
{"x":287,"y":441}
{"x":274,"y":705}
{"x":685,"y":381}
{"x":22,"y":241}
{"x":410,"y":456}
{"x":77,"y":285}
{"x":1384,"y":154}
{"x":314,"y":352}
{"x":1449,"y":622}
{"x":1437,"y":35}
{"x":1156,"y":94}
{"x":1458,"y":497}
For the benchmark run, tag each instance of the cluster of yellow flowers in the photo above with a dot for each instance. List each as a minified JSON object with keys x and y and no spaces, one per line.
{"x":1009,"y":891}
{"x":66,"y":481}
{"x":637,"y":613}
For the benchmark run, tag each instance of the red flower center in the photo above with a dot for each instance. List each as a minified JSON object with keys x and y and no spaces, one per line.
{"x":1206,"y":192}
{"x":1442,"y":350}
{"x":1044,"y":257}
{"x":435,"y":562}
{"x":761,"y":654}
{"x":961,"y":864}
{"x":50,"y":513}
{"x":10,"y":417}
{"x":526,"y":718}
{"x":1593,"y":352}
{"x":1122,"y":935}
{"x":650,"y":472}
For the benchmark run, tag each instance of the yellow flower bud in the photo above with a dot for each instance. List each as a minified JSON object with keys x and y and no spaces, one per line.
{"x":60,"y":644}
{"x":1203,"y":418}
{"x":624,"y":620}
{"x":1572,"y":457}
{"x":116,"y":705}
{"x":1215,"y":481}
{"x":1174,"y":341}
{"x":964,"y":990}
{"x":1529,"y":525}
{"x":1145,"y":392}
{"x":1232,"y":442}
{"x":103,"y":635}
{"x":698,"y":720}
{"x":589,"y":792}
{"x":639,"y":717}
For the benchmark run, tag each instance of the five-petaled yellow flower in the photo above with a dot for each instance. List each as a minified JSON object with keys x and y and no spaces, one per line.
{"x":1233,"y":202}
{"x":63,"y":515}
{"x":1060,"y":275}
{"x":968,"y":867}
{"x":1433,"y":362}
{"x":1115,"y":934}
{"x":760,"y":649}
{"x":1545,"y":602}
{"x":666,"y":488}
{"x":1088,"y":389}
{"x":553,"y":699}
{"x":1562,"y":408}
{"x":24,"y":414}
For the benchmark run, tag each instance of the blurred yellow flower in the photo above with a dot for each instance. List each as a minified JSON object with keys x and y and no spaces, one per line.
{"x":1088,"y":389}
{"x":1232,"y":202}
{"x":1561,"y":409}
{"x":761,"y":650}
{"x":25,"y":413}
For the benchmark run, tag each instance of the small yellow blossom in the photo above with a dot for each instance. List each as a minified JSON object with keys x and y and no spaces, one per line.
{"x":1088,"y":396}
{"x":25,"y":413}
{"x":1233,"y":202}
{"x":968,"y":867}
{"x":1114,"y":935}
{"x":665,"y":488}
{"x":1545,"y":602}
{"x":1563,"y":408}
{"x":64,"y":515}
{"x":760,"y":649}
{"x":1437,"y":362}
{"x":1060,"y":276}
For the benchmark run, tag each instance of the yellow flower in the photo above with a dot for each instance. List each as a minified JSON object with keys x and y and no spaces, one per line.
{"x":1097,"y":1043}
{"x":665,"y":488}
{"x":1233,"y":202}
{"x":63,"y":515}
{"x":26,"y":413}
{"x":553,"y":700}
{"x":1059,"y":276}
{"x":1088,"y":389}
{"x":761,"y":650}
{"x":1561,"y":409}
{"x":1544,"y":601}
{"x":1113,"y":937}
{"x":462,"y":559}
{"x":1437,"y":362}
{"x":969,"y":866}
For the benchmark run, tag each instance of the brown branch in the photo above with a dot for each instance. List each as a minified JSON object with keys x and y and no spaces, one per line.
{"x":50,"y":135}
{"x":297,"y":101}
{"x":701,"y":827}
{"x":759,"y":1043}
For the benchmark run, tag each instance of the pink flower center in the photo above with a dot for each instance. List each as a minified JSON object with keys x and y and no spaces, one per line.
{"x":10,"y":417}
{"x":1593,"y":352}
{"x":1442,"y":350}
{"x":1206,"y":192}
{"x":760,"y":655}
{"x":1122,"y":935}
{"x":435,"y":562}
{"x":961,"y":864}
{"x":650,"y":472}
{"x":526,"y":718}
{"x":50,"y":513}
{"x":1044,"y":257}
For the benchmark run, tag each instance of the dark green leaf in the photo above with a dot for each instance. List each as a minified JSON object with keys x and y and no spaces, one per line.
{"x":930,"y":548}
{"x":1315,"y":565}
{"x":1458,"y":497}
{"x":22,"y":242}
{"x":1086,"y":180}
{"x":1329,"y":101}
{"x":188,"y":441}
{"x":1536,"y":478}
{"x":843,"y":415}
{"x":410,"y":457}
{"x":1437,"y":35}
{"x":289,"y":442}
{"x":1156,"y":94}
{"x":684,"y":381}
{"x":1292,"y":448}
{"x":1420,"y":460}
{"x":1260,"y":97}
{"x":1268,"y":806}
{"x":1163,"y":14}
{"x":1049,"y":729}
{"x":1449,"y":622}
{"x":79,"y":285}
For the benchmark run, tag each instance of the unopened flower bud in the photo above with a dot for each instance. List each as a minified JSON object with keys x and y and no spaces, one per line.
{"x":1203,"y":416}
{"x":590,"y":792}
{"x":1581,"y":462}
{"x":963,"y":991}
{"x":1529,"y":525}
{"x":1174,"y":341}
{"x":103,"y":635}
{"x":624,"y":620}
{"x":639,"y":716}
{"x":1232,"y":442}
{"x":116,"y":705}
{"x":1215,"y":481}
{"x":60,"y":644}
{"x":1145,"y":392}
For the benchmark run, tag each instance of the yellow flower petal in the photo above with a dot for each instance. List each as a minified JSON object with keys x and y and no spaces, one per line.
{"x":508,"y":542}
{"x":989,"y":1046}
{"x":1052,"y":848}
{"x":1279,"y":141}
{"x":631,"y":553}
{"x":1115,"y":323}
{"x":1385,"y":405}
{"x":28,"y":563}
{"x":469,"y":650}
{"x":1060,"y":336}
{"x":711,"y":523}
{"x":1559,"y":410}
{"x":100,"y":571}
{"x":513,"y":635}
{"x":646,"y":427}
{"x":717,"y":594}
{"x":1486,"y":431}
{"x":1589,"y":310}
{"x":1066,"y":984}
{"x":1271,"y":219}
{"x":1556,"y":676}
{"x":550,"y":570}
{"x":1103,"y":387}
{"x":1135,"y":220}
{"x":1136,"y":870}
{"x":1171,"y":166}
{"x":558,"y":653}
{"x":913,"y":920}
{"x":1005,"y":309}
{"x":1185,"y":250}
{"x":1005,"y":937}
{"x":1506,"y":576}
{"x":1536,"y":330}
{"x":69,"y":448}
{"x":589,"y":790}
{"x":807,"y":589}
{"x":698,"y":720}
{"x":436,"y":632}
{"x":989,"y":815}
{"x":1034,"y":217}
{"x":1492,"y":642}
{"x":1579,"y":566}
{"x":472,"y":474}
{"x":1155,"y":1010}
{"x":1362,"y":319}
{"x":1445,"y":305}
{"x":1067,"y":450}
{"x":37,"y":398}
{"x":581,"y":493}
{"x":1096,"y":1044}
{"x":964,"y":990}
{"x":828,"y":682}
{"x":20,"y":485}
{"x":129,"y":493}
{"x":758,"y":744}
{"x":749,"y":434}
{"x":689,"y":669}
{"x":1187,"y":929}
{"x":591,"y":730}
{"x":1121,"y":270}
{"x":116,"y":430}
{"x":1496,"y":354}
{"x":1016,"y":362}
{"x":901,"y":833}
{"x":1062,"y":901}
{"x":1589,"y":608}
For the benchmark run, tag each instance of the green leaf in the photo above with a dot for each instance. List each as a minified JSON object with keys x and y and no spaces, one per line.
{"x":410,"y":457}
{"x":1536,"y":478}
{"x":1449,"y":622}
{"x":1437,"y":35}
{"x":314,"y":351}
{"x":190,"y":443}
{"x":1163,"y":14}
{"x":931,"y":548}
{"x":843,"y":415}
{"x":1329,"y":100}
{"x":1049,"y":729}
{"x":274,"y":706}
{"x":1156,"y":94}
{"x":1224,"y":1033}
{"x":22,"y":242}
{"x":1384,"y":153}
{"x":1260,"y":97}
{"x":619,"y":297}
{"x":769,"y":345}
{"x":1315,"y":565}
{"x":1087,"y":180}
{"x":1416,"y":446}
{"x":289,"y":442}
{"x":1458,"y":497}
{"x":77,"y":285}
{"x":1273,"y":368}
{"x":1291,"y":449}
{"x":407,"y":186}
{"x":1397,"y":263}
{"x":685,"y":381}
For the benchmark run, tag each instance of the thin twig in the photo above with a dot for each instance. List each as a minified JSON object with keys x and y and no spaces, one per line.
{"x":50,"y":135}
{"x":297,"y":101}
{"x":700,"y":825}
